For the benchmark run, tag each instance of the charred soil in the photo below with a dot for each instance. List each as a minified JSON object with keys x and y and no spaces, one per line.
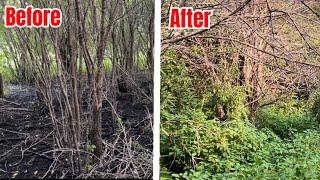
{"x":26,"y":133}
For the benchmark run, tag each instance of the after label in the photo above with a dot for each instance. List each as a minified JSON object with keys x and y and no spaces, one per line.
{"x":187,"y":18}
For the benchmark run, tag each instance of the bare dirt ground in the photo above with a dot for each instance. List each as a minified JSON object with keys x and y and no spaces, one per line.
{"x":26,"y":132}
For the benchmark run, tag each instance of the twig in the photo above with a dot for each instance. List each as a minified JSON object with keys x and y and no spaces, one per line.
{"x":258,"y":49}
{"x":15,"y":132}
{"x":212,"y":26}
{"x":16,"y":109}
{"x":1,"y":99}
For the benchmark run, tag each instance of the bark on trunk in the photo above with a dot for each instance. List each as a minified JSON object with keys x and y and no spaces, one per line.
{"x":1,"y":86}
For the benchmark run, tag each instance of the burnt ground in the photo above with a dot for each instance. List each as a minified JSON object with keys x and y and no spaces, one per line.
{"x":26,"y":131}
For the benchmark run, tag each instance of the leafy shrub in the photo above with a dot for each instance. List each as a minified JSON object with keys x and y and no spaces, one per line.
{"x":176,"y":90}
{"x":189,"y":137}
{"x":194,"y":145}
{"x":286,"y":126}
{"x":288,"y":117}
{"x":276,"y":159}
{"x":316,"y":109}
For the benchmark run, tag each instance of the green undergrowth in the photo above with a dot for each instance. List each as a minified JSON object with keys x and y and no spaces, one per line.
{"x":196,"y":145}
{"x":5,"y":71}
{"x":289,"y":117}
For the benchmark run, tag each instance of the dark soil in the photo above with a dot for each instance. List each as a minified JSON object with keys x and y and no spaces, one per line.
{"x":26,"y":130}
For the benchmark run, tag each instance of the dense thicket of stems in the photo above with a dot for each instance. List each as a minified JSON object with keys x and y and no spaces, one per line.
{"x":96,"y":52}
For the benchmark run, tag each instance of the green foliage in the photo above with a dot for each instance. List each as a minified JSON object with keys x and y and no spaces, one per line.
{"x":194,"y":145}
{"x":176,"y":91}
{"x":181,"y":90}
{"x":277,"y":159}
{"x":91,"y":147}
{"x":288,"y":117}
{"x":142,"y":61}
{"x":4,"y":68}
{"x":107,"y":64}
{"x":233,"y":98}
{"x":286,"y":126}
{"x":315,"y":110}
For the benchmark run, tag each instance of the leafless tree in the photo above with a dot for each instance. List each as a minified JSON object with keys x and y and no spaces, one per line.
{"x":68,"y":65}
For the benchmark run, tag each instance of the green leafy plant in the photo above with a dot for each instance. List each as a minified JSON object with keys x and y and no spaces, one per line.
{"x":195,"y":145}
{"x":316,"y":109}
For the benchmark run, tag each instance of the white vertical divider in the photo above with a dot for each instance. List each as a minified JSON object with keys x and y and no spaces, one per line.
{"x":156,"y":94}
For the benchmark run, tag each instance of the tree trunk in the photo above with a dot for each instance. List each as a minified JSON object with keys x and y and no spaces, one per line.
{"x":96,"y":132}
{"x":1,"y":86}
